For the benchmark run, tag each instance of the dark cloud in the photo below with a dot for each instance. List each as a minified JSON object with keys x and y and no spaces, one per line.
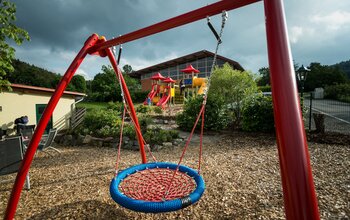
{"x":58,"y":29}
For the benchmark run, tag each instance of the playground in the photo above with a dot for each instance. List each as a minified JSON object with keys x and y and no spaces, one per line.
{"x":241,"y":171}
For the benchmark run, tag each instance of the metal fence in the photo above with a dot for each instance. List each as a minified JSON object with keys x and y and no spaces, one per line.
{"x":336,"y":114}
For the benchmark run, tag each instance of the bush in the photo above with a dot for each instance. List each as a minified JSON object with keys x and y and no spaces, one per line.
{"x":216,"y":117}
{"x":257,"y":114}
{"x":158,"y":110}
{"x":95,"y":120}
{"x":264,"y":88}
{"x":158,"y":136}
{"x":143,"y":108}
{"x":339,"y":92}
{"x":139,"y":96}
{"x":115,"y":106}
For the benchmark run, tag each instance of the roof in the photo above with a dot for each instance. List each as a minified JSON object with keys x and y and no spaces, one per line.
{"x":157,"y":76}
{"x":184,"y":59}
{"x":42,"y":89}
{"x":190,"y":69}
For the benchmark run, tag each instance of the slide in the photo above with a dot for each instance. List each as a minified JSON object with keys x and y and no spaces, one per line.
{"x":151,"y":94}
{"x":165,"y":98}
{"x":202,"y":82}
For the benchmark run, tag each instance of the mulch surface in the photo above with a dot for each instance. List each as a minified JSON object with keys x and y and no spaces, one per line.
{"x":241,"y":172}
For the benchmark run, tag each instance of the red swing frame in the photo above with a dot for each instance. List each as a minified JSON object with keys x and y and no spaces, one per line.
{"x":298,"y":188}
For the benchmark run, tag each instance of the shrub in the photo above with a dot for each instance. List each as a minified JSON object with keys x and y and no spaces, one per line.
{"x":339,"y":92}
{"x":233,"y":87}
{"x":158,"y":110}
{"x":129,"y":131}
{"x":95,"y":120}
{"x":257,"y":114}
{"x":264,"y":88}
{"x":144,"y":121}
{"x":143,"y":108}
{"x":100,"y":123}
{"x":216,"y":117}
{"x":115,"y":106}
{"x":158,"y":136}
{"x":139,"y":96}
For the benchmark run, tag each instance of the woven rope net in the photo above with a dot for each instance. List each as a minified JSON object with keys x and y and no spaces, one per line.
{"x":151,"y":185}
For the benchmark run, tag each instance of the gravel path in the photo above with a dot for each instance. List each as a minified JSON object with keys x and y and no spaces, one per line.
{"x":241,"y":173}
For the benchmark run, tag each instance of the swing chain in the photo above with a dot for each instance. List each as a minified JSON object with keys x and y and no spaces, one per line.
{"x":119,"y":80}
{"x":219,"y":41}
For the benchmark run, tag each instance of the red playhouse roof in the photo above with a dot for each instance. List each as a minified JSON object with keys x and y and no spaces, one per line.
{"x":157,"y":76}
{"x":190,"y":69}
{"x":169,"y":80}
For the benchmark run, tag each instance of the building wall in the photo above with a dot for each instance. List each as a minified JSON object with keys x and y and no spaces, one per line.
{"x":146,"y":84}
{"x":19,"y":103}
{"x":203,"y":65}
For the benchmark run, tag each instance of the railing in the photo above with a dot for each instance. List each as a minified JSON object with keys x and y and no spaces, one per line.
{"x":336,"y":114}
{"x":77,"y":117}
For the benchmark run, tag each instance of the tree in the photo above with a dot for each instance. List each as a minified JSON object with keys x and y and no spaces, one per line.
{"x":79,"y":83}
{"x":127,"y":69}
{"x":8,"y":30}
{"x":233,"y":86}
{"x":104,"y":87}
{"x":264,"y":80}
{"x":323,"y":75}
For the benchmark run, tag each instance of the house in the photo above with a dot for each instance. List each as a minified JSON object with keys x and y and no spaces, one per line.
{"x":31,"y":101}
{"x":201,"y":60}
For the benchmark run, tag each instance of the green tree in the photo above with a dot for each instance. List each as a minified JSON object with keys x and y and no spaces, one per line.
{"x":27,"y":74}
{"x":323,"y":75}
{"x":264,"y":79}
{"x":127,"y":69}
{"x":8,"y":30}
{"x":105,"y":86}
{"x":79,"y":83}
{"x":233,"y":86}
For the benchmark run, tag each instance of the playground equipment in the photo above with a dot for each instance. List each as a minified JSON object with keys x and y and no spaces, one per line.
{"x":194,"y":85}
{"x":168,"y":92}
{"x":298,"y":188}
{"x":153,"y":95}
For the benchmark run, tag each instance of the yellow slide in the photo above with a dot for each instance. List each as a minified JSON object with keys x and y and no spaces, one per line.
{"x":202,"y":82}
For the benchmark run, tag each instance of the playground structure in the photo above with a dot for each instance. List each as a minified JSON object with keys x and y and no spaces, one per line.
{"x":298,"y":187}
{"x":194,"y":85}
{"x":162,"y":91}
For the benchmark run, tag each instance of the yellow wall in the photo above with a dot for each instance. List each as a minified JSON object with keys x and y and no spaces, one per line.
{"x":19,"y":103}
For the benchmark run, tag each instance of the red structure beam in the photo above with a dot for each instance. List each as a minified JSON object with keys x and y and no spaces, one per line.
{"x":195,"y":15}
{"x":298,"y":188}
{"x":129,"y":104}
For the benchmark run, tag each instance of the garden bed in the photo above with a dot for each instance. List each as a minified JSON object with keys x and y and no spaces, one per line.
{"x":241,"y":173}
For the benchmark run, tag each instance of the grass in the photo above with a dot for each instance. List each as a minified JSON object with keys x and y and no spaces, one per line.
{"x":93,"y":105}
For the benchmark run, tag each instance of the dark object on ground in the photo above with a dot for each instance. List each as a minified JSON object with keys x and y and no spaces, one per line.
{"x":319,"y":122}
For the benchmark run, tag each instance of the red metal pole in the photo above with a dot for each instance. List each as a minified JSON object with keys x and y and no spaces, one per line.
{"x":129,"y":103}
{"x":33,"y":145}
{"x":195,"y":15}
{"x":298,"y":187}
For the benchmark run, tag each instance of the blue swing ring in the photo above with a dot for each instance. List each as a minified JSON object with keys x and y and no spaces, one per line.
{"x":131,"y":190}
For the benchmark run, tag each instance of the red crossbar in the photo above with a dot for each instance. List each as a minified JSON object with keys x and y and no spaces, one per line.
{"x":195,"y":15}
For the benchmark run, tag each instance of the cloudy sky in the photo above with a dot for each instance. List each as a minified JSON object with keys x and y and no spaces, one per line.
{"x":318,"y":31}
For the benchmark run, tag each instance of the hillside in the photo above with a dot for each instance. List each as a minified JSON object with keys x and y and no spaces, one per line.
{"x":27,"y":74}
{"x":345,"y":66}
{"x":31,"y":75}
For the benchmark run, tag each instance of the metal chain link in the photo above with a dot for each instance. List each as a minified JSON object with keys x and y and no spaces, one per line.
{"x":224,"y":19}
{"x":119,"y":80}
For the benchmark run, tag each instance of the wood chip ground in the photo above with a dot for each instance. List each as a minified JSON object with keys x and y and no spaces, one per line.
{"x":241,"y":172}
